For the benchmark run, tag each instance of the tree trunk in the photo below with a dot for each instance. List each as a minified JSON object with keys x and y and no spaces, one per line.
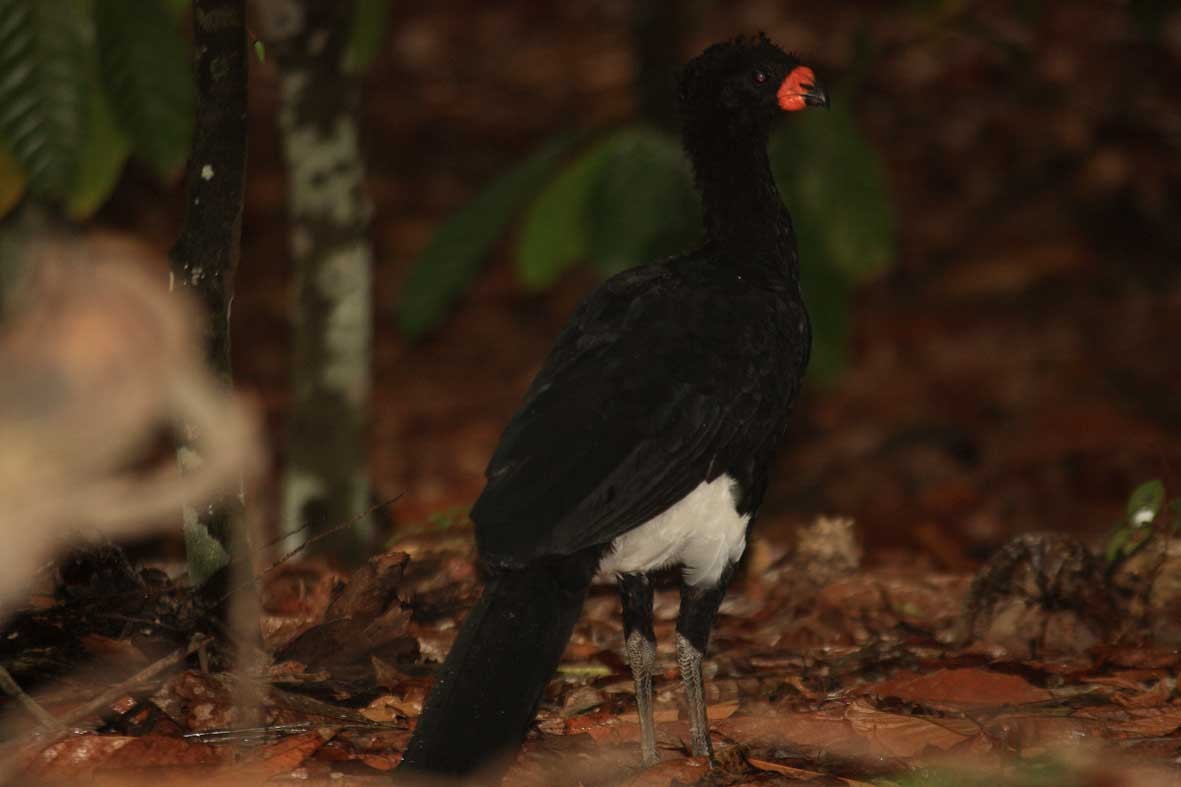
{"x":206,"y":253}
{"x":326,"y":479}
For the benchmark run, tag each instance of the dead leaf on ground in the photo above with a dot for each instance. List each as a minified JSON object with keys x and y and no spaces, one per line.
{"x":201,"y":701}
{"x":819,"y":729}
{"x":961,"y":688}
{"x":799,"y":774}
{"x":287,"y":754}
{"x":365,"y":618}
{"x":1157,"y":695}
{"x":689,"y":770}
{"x":903,"y":736}
{"x":390,"y":707}
{"x":1135,"y":722}
{"x":85,"y":753}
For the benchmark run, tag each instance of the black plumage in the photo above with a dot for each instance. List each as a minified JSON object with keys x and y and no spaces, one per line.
{"x":667,"y":377}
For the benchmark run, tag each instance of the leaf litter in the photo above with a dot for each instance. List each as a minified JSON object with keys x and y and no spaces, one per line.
{"x":838,"y":674}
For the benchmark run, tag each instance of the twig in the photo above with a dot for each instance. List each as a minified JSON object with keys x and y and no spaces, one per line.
{"x":332,"y":530}
{"x":13,"y":689}
{"x":249,"y":735}
{"x":318,"y":537}
{"x":10,"y":751}
{"x":335,"y":529}
{"x":104,"y":700}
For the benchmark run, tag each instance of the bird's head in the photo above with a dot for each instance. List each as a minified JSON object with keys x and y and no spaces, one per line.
{"x":744,"y":84}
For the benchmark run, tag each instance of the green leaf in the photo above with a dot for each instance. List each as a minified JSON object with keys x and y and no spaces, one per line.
{"x":555,"y":233}
{"x":1144,"y":505}
{"x":1173,"y":512}
{"x":371,"y":25}
{"x":12,"y":182}
{"x":835,"y":186}
{"x":1149,"y":17}
{"x":205,"y":554}
{"x":828,"y":296}
{"x":148,"y":77}
{"x":43,"y":61}
{"x":1125,"y":541}
{"x":642,"y":204}
{"x":1145,"y":502}
{"x":260,"y":50}
{"x":453,"y":256}
{"x":101,"y":161}
{"x":178,"y":8}
{"x":1116,"y":543}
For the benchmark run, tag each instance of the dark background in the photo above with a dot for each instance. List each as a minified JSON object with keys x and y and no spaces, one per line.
{"x":1015,"y":369}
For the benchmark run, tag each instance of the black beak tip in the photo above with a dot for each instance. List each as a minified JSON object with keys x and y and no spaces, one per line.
{"x":817,"y":97}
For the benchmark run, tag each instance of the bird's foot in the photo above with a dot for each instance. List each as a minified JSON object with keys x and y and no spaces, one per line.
{"x":641,"y":654}
{"x":702,"y":747}
{"x":690,"y":659}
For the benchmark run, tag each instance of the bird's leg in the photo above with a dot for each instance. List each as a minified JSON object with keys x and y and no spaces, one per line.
{"x":635,"y":591}
{"x":698,"y":607}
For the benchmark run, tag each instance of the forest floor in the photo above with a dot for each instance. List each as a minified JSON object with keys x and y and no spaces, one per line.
{"x":1040,"y":671}
{"x":1015,"y":372}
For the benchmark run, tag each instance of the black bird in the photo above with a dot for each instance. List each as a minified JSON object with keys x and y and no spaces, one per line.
{"x":646,"y":438}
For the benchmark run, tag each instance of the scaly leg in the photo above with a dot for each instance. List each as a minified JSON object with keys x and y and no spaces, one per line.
{"x":635,"y":591}
{"x":699,"y":606}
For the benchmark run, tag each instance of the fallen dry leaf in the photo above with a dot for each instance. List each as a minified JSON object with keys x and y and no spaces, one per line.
{"x":202,"y":701}
{"x":799,"y":774}
{"x":381,"y":762}
{"x":604,"y":727}
{"x":389,"y":707}
{"x":285,"y":755}
{"x":1157,"y":695}
{"x":961,"y":688}
{"x":365,"y":618}
{"x":857,"y":730}
{"x":821,"y":729}
{"x":84,"y":753}
{"x":899,"y":735}
{"x":1135,"y":722}
{"x":688,"y":770}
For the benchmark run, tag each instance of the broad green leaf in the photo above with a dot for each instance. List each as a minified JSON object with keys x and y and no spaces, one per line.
{"x":1145,"y":502}
{"x":101,"y":161}
{"x":1173,"y":514}
{"x":556,"y":232}
{"x":834,"y":183}
{"x":178,"y":8}
{"x":642,"y":205}
{"x":453,"y":256}
{"x":12,"y":182}
{"x":43,"y":61}
{"x":1144,"y":505}
{"x":828,"y":296}
{"x":206,"y":555}
{"x":370,"y":29}
{"x":1116,"y":543}
{"x":1125,"y":540}
{"x":1150,"y":17}
{"x":148,"y":77}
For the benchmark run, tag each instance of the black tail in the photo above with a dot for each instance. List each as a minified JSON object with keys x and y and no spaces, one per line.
{"x":488,"y":689}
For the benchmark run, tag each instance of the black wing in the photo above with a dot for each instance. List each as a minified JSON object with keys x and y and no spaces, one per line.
{"x":666,"y":376}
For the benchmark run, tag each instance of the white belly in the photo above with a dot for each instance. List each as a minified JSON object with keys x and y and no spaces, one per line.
{"x":702,"y":532}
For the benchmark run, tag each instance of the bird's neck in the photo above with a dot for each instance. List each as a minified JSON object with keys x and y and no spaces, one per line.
{"x":744,"y":215}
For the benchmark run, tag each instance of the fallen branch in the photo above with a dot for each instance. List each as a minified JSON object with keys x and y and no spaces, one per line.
{"x":13,"y":689}
{"x":148,"y":673}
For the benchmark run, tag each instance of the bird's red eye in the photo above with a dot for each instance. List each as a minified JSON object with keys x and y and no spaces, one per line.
{"x":760,"y":76}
